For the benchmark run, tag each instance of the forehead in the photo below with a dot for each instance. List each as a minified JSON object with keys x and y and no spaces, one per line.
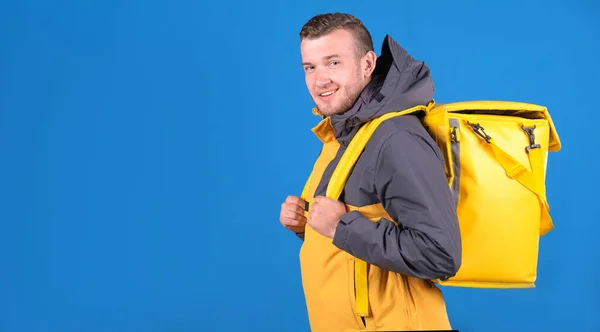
{"x":339,"y":42}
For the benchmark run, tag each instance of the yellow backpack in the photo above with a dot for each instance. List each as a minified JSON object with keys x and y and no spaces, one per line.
{"x":496,"y":155}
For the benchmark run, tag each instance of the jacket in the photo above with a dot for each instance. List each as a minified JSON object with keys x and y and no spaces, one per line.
{"x":401,"y":215}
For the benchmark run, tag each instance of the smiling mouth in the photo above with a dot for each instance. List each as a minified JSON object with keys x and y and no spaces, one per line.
{"x":328,"y":93}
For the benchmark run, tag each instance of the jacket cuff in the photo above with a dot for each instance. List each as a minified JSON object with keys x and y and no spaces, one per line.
{"x":343,"y":230}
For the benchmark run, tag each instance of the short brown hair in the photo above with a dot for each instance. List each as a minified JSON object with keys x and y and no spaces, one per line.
{"x":323,"y":24}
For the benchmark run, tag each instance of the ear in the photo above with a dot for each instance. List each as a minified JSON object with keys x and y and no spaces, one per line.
{"x":368,"y":62}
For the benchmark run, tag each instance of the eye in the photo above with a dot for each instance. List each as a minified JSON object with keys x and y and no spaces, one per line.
{"x":308,"y":68}
{"x":334,"y":63}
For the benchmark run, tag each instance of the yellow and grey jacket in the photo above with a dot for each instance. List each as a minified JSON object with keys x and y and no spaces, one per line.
{"x":402,"y":215}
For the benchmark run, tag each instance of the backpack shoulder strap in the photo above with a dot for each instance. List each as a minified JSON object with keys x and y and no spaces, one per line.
{"x":356,"y":147}
{"x":338,"y":180}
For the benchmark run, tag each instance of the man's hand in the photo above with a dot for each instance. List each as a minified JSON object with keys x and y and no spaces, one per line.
{"x":325,"y":214}
{"x":292,"y":214}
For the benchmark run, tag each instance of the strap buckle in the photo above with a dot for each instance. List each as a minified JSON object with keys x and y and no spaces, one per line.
{"x":532,"y":143}
{"x":479,"y":130}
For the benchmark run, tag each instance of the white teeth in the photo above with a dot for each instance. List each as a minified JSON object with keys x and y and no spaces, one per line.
{"x":327,"y":93}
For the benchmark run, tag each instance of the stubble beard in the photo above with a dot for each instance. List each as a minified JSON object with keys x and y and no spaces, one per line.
{"x":347,"y":102}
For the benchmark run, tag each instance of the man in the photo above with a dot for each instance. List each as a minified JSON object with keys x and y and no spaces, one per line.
{"x":396,"y":212}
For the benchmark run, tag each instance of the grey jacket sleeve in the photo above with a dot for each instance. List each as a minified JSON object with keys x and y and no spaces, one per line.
{"x":411,"y":184}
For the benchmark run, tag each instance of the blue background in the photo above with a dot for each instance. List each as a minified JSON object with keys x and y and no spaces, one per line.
{"x":147,"y":145}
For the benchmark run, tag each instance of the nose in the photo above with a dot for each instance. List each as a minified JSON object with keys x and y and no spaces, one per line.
{"x":322,"y":78}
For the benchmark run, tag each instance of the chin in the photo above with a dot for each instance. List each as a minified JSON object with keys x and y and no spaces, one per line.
{"x":327,"y":111}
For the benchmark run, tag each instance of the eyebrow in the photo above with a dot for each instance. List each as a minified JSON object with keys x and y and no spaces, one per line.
{"x":328,"y":57}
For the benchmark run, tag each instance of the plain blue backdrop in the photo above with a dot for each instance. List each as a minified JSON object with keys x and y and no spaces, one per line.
{"x":147,"y":146}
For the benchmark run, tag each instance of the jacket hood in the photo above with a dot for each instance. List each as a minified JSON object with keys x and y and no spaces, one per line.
{"x":398,"y":82}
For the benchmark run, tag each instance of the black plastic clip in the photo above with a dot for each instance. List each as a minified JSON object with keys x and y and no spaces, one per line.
{"x":453,"y":137}
{"x":479,"y":130}
{"x":532,"y":144}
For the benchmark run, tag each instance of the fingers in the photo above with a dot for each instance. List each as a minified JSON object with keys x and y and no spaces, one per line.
{"x":295,"y":200}
{"x":320,"y":199}
{"x":292,"y":207}
{"x":294,"y":224}
{"x":298,"y":229}
{"x":292,"y":214}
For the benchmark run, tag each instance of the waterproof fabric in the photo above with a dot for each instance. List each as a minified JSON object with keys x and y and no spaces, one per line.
{"x":502,"y":204}
{"x":496,"y":153}
{"x":402,"y":214}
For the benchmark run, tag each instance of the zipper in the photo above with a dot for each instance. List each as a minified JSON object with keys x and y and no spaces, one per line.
{"x":361,"y":321}
{"x":407,"y":300}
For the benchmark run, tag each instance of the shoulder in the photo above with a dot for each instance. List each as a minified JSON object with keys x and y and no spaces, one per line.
{"x":404,"y":135}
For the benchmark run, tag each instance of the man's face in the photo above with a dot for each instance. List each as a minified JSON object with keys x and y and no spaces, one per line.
{"x":335,"y":74}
